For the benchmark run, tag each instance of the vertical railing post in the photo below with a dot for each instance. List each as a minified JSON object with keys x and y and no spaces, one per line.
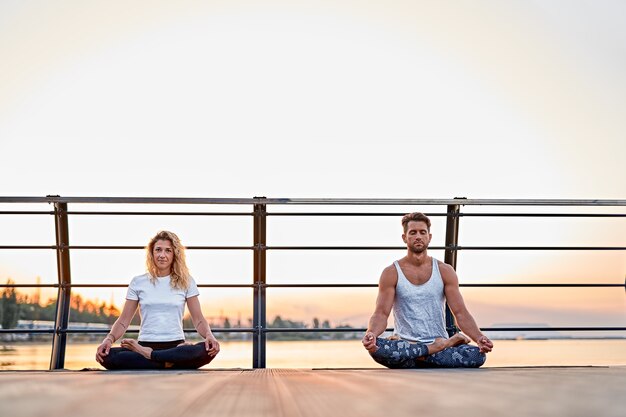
{"x":258,"y":315}
{"x":57,"y":360}
{"x":452,"y":240}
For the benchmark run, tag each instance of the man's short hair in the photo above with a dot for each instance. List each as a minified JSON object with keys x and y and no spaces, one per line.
{"x":414,"y":217}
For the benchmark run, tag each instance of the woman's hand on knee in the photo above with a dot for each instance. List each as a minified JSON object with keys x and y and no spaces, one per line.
{"x":103,"y":350}
{"x":211,"y":345}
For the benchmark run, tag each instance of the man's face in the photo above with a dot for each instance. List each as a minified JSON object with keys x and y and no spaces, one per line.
{"x":417,"y":237}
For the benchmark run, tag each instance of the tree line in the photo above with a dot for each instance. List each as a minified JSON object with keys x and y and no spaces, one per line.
{"x":16,"y":306}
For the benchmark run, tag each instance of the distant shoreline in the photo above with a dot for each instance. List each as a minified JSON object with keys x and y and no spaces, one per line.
{"x":6,"y":344}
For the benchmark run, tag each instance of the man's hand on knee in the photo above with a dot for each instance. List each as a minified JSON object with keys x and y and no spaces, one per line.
{"x":369,"y":342}
{"x":484,"y":344}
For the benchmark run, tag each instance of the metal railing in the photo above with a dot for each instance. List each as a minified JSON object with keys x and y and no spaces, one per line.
{"x":259,"y":249}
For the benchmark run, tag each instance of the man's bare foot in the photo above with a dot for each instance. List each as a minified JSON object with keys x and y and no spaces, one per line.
{"x":132,"y":344}
{"x":438,"y":345}
{"x":458,"y":339}
{"x":185,"y":344}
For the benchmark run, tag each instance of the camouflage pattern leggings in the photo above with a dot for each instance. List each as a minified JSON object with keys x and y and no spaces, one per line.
{"x":399,"y":354}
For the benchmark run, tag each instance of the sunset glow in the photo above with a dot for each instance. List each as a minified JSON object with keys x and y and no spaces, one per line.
{"x":325,"y":99}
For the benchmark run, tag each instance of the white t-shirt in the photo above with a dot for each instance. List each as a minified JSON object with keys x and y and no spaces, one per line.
{"x":161,"y":307}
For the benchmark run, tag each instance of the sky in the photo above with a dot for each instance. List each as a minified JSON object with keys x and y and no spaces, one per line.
{"x":321,"y":99}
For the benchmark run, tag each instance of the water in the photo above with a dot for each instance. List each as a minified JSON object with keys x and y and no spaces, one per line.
{"x":340,"y":354}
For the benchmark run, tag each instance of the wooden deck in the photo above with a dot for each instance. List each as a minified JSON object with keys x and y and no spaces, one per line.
{"x":542,"y":391}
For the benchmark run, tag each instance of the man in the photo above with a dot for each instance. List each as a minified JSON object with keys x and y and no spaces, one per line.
{"x":417,"y":287}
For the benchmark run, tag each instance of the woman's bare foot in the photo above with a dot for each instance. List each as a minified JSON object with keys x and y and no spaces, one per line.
{"x":132,"y":344}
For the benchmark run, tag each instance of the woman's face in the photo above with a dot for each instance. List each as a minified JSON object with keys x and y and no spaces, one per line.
{"x":163,"y":254}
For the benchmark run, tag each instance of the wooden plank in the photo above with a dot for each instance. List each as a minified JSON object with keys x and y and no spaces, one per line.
{"x":536,"y":392}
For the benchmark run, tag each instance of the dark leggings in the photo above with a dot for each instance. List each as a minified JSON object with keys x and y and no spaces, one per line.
{"x":402,"y":354}
{"x":165,"y":355}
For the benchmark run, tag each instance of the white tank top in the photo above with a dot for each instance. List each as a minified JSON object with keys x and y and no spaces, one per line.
{"x":419,"y":310}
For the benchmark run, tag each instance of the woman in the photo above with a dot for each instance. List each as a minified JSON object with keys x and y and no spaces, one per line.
{"x":161,"y":295}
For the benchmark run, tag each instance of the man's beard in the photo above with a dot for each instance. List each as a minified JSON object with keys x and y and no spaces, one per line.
{"x":420,"y":249}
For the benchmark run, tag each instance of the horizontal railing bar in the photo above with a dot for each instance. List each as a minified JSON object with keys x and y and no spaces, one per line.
{"x":345,"y":247}
{"x":539,"y":248}
{"x":137,"y":247}
{"x":310,"y":330}
{"x":446,"y":202}
{"x":29,"y":285}
{"x":317,"y":214}
{"x":504,"y":329}
{"x":27,"y":212}
{"x":131,"y":200}
{"x":314,"y":330}
{"x":545,"y":285}
{"x":104,"y":331}
{"x":158,"y":213}
{"x":188,"y":330}
{"x":29,"y":331}
{"x":567,"y":285}
{"x":143,"y":247}
{"x":225,"y":330}
{"x":198,"y":285}
{"x":28,"y":247}
{"x":539,"y":285}
{"x":448,"y":247}
{"x":121,"y":247}
{"x":313,"y":201}
{"x":115,"y":285}
{"x":312,"y":214}
{"x":556,"y":329}
{"x":335,"y":214}
{"x":460,"y":284}
{"x":541,"y":215}
{"x":320,"y":285}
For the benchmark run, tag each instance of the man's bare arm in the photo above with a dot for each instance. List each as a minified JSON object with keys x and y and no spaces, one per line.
{"x":384,"y":303}
{"x":464,"y":319}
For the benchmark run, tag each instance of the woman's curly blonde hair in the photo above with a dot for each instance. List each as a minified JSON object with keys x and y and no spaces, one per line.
{"x":180,"y":273}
